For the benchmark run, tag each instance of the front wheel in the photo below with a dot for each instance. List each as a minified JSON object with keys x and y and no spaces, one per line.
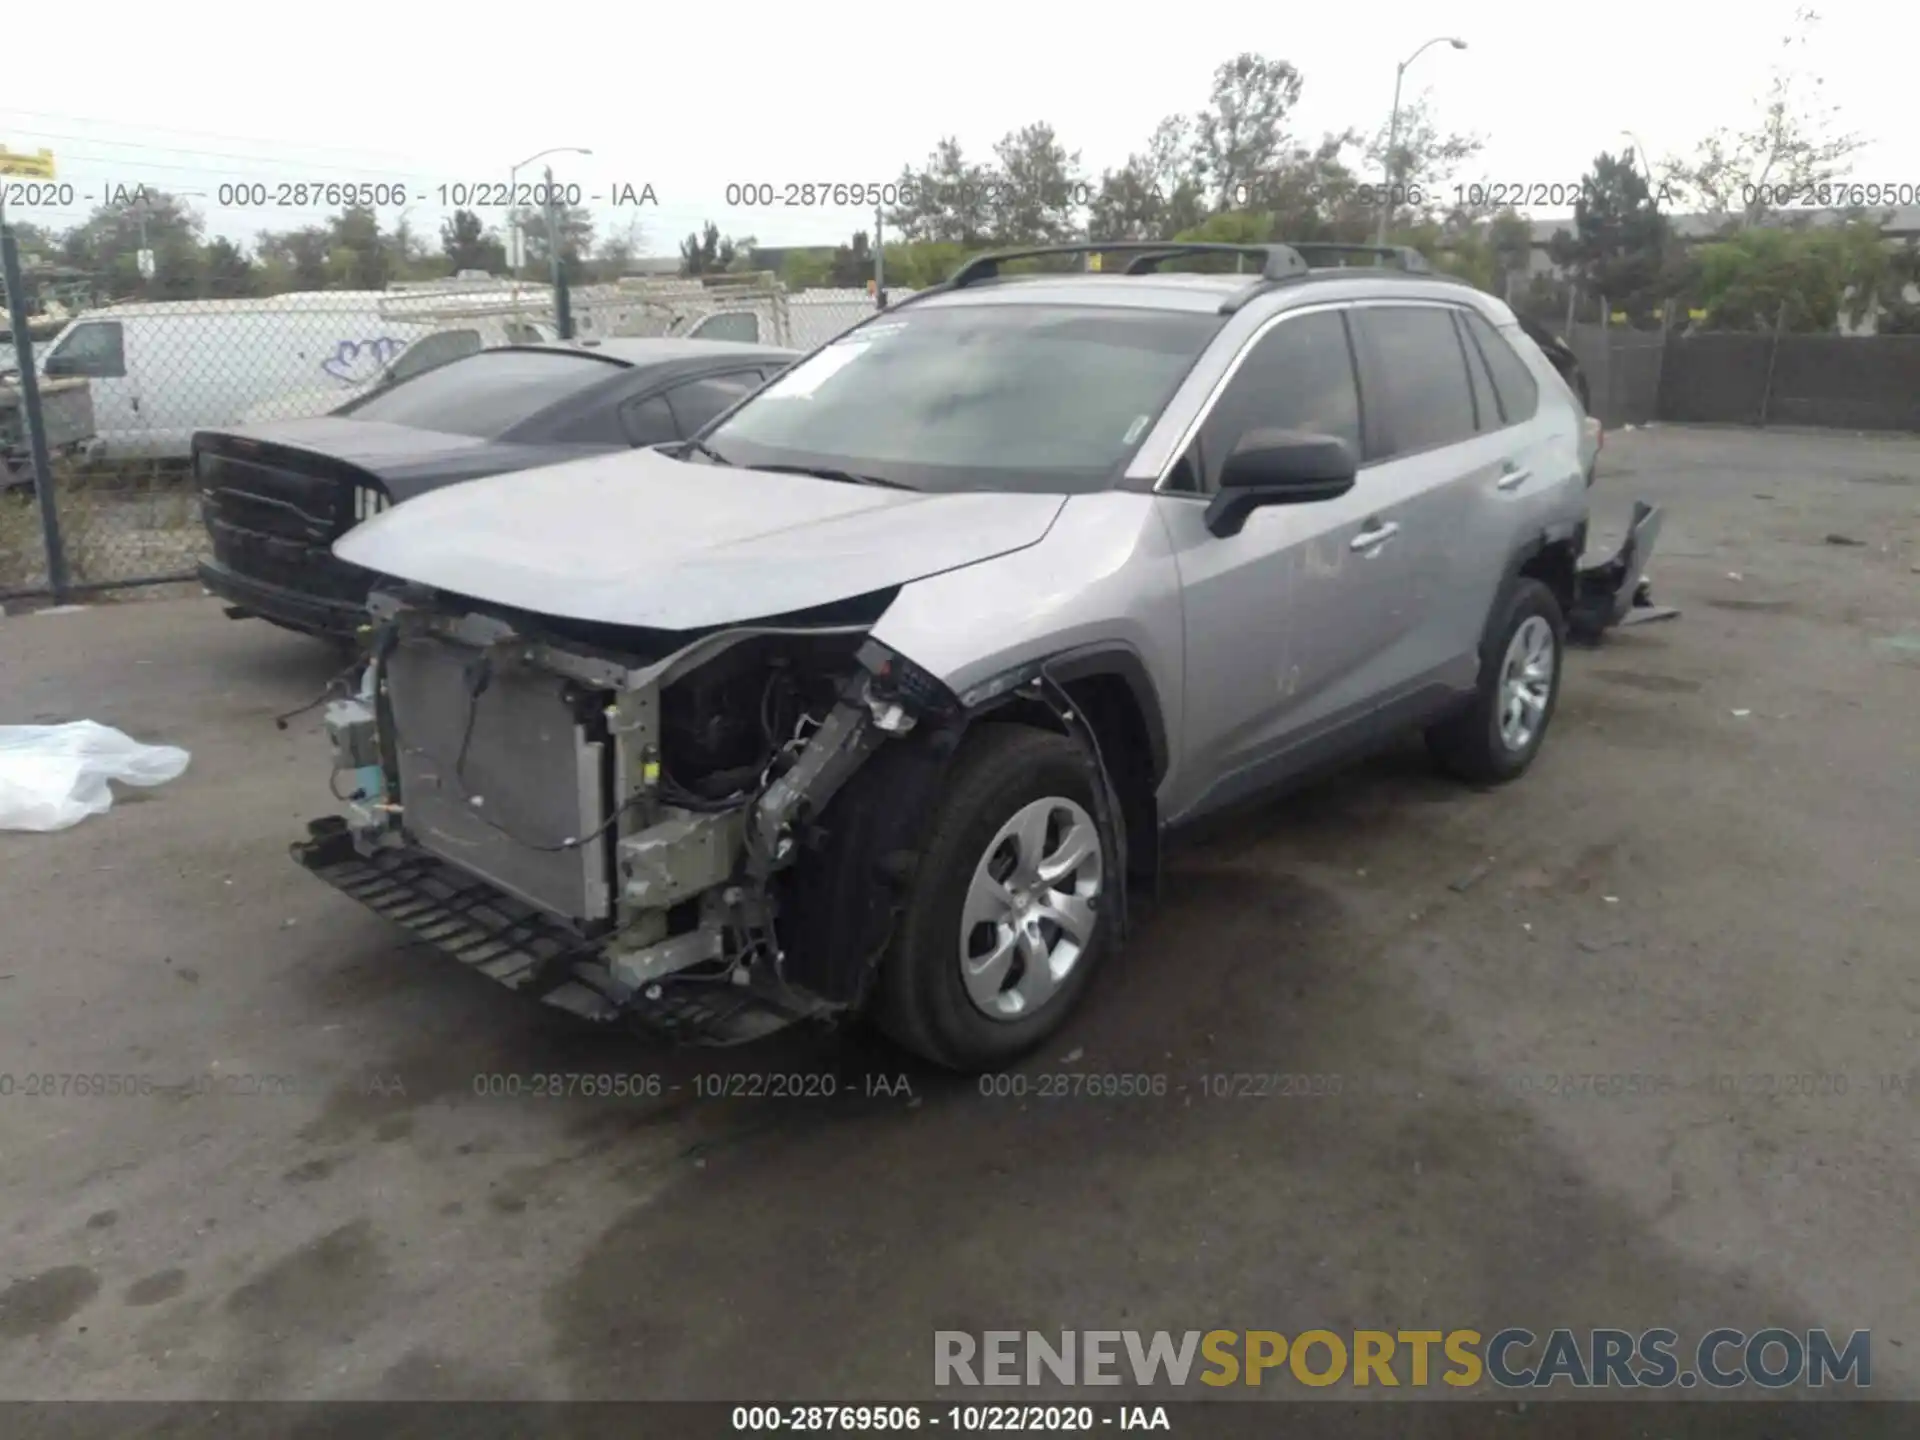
{"x":1497,"y":737}
{"x":1004,"y":923}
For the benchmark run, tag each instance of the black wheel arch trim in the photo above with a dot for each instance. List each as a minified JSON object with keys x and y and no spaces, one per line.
{"x":1106,"y":658}
{"x":1570,"y":533}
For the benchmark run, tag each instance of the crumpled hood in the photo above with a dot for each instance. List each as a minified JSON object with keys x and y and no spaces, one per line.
{"x":641,"y":539}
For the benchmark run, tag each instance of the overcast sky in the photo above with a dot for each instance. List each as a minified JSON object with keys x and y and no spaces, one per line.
{"x":189,"y":96}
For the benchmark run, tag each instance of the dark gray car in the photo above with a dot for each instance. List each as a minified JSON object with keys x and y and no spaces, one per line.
{"x":275,"y":496}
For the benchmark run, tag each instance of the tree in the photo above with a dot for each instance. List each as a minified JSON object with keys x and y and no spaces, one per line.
{"x":808,"y":269}
{"x":1315,"y":194}
{"x":1158,"y":192}
{"x":852,"y":263}
{"x":916,"y":265}
{"x":109,"y":241}
{"x":711,"y":253}
{"x":576,"y":234}
{"x":1422,"y":161}
{"x":1242,"y":134}
{"x":615,"y":252}
{"x":227,"y":272}
{"x":947,"y":199}
{"x":1792,"y":148}
{"x":358,"y":256}
{"x":469,"y":245}
{"x":1619,"y":244}
{"x":1037,"y":190}
{"x":295,"y":259}
{"x":1803,"y":278}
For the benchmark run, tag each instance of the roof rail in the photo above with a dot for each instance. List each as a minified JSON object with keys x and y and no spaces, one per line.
{"x":1401,"y":257}
{"x":1277,"y":262}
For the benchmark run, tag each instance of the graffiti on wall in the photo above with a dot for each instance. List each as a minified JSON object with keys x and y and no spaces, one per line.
{"x":354,"y":362}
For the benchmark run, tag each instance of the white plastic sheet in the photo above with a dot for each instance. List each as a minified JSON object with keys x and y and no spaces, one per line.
{"x":53,"y":776}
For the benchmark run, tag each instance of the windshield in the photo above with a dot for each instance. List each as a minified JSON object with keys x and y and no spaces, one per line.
{"x":483,"y":395}
{"x":977,"y":397}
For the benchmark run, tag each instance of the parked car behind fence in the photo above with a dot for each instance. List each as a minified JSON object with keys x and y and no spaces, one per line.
{"x":276,"y":496}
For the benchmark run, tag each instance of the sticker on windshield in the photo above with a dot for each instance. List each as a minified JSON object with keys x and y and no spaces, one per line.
{"x":808,"y":376}
{"x":1137,"y":428}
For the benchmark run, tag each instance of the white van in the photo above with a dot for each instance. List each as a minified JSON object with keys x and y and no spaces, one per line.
{"x":801,"y":321}
{"x":160,"y":371}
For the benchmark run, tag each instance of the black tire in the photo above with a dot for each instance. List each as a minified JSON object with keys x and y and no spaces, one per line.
{"x":922,"y":1003}
{"x":1469,"y":745}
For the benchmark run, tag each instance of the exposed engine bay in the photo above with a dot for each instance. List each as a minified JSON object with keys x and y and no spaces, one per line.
{"x":623,"y":821}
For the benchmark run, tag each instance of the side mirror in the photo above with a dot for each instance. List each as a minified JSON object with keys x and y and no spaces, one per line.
{"x":1279,"y":467}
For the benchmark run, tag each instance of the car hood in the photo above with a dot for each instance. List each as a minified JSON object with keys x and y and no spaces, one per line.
{"x":644,"y":540}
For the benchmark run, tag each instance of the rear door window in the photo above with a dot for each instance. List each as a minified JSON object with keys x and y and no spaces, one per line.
{"x":488,"y":394}
{"x":1421,"y":372}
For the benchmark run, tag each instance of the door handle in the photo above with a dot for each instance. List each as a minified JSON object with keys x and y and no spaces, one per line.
{"x":1513,"y":479}
{"x":1376,"y":537}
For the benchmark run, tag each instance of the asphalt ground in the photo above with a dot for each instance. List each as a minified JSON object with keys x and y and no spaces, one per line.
{"x":1710,"y":881}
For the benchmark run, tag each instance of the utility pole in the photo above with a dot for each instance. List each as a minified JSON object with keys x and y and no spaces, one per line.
{"x":562,"y":309}
{"x":879,"y":260}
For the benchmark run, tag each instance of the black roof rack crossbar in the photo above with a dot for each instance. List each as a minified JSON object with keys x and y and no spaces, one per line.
{"x":1327,"y":256}
{"x":1277,"y":262}
{"x":1401,"y":257}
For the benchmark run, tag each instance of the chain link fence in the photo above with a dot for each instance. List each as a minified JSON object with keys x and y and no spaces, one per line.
{"x":123,"y":389}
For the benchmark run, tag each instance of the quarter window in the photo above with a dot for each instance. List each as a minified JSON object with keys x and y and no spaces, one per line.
{"x":1485,"y":407}
{"x":728,"y":325}
{"x":648,"y":421}
{"x":432,"y":350}
{"x":1519,"y":392}
{"x":699,"y":401}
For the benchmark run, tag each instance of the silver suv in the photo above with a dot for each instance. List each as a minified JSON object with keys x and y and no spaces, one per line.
{"x":885,"y":693}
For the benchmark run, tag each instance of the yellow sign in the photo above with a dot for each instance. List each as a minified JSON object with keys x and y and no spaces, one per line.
{"x":34,"y":167}
{"x":1093,"y":261}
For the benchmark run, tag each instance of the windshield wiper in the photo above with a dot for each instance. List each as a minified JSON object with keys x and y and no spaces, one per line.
{"x":708,"y":451}
{"x":826,"y":472}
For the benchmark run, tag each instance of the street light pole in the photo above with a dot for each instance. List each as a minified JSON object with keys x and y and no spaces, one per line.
{"x":1393,"y":127}
{"x":513,"y":178}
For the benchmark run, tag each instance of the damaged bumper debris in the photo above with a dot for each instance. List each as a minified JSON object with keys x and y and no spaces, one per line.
{"x":615,"y":823}
{"x":1615,"y":591}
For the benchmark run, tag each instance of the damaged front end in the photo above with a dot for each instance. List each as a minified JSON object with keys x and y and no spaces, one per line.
{"x":636,"y":825}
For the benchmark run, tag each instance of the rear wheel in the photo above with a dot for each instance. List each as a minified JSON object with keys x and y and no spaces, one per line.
{"x":1497,"y":737}
{"x":1003,"y":926}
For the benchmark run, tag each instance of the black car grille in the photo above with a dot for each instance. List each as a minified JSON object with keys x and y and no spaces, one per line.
{"x":276,"y":523}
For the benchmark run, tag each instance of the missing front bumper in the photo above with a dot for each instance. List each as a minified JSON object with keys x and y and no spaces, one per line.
{"x":525,"y":950}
